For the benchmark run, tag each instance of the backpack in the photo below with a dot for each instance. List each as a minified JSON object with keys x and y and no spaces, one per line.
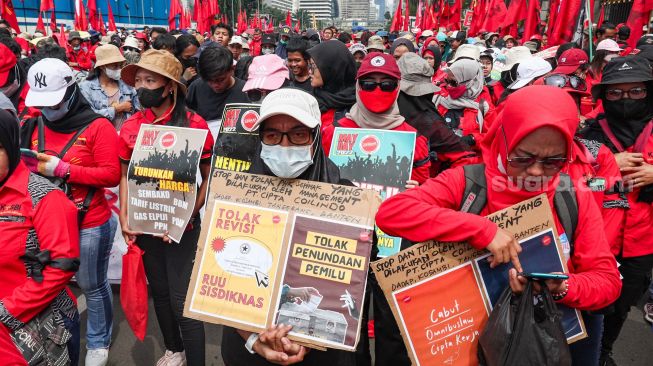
{"x":564,"y":200}
{"x":61,"y":183}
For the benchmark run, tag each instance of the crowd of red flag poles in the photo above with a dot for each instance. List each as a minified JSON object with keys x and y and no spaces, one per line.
{"x":489,"y":15}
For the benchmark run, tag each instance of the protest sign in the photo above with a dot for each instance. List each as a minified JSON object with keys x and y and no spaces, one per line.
{"x":376,"y":159}
{"x":235,"y":144}
{"x":413,"y":275}
{"x":162,"y":179}
{"x":274,"y":250}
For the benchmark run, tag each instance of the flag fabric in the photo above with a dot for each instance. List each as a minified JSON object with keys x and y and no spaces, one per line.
{"x":601,"y":17}
{"x":515,"y":13}
{"x":565,"y":22}
{"x":298,"y":26}
{"x":406,"y":22}
{"x":111,"y":20}
{"x":419,"y":15}
{"x":46,"y":5}
{"x":532,"y":19}
{"x":455,"y":15}
{"x":39,"y":23}
{"x":102,"y":28}
{"x":496,"y":12}
{"x":396,"y":19}
{"x":63,"y":42}
{"x":8,"y":13}
{"x":93,"y":19}
{"x":554,"y":6}
{"x":53,"y":21}
{"x":479,"y":10}
{"x":175,"y":9}
{"x":639,"y":15}
{"x":288,"y":19}
{"x":81,"y":21}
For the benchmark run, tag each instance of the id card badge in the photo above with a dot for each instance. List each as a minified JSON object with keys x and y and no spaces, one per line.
{"x":596,"y":184}
{"x":566,"y":246}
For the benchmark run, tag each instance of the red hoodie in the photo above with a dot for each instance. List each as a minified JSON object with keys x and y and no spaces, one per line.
{"x":255,"y":46}
{"x":431,"y":210}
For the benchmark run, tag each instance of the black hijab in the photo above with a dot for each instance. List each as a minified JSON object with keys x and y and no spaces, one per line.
{"x":9,"y":141}
{"x":322,"y":170}
{"x":402,"y":42}
{"x":338,"y":70}
{"x":80,"y":115}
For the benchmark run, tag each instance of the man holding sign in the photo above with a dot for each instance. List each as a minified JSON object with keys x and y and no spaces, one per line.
{"x":524,"y":160}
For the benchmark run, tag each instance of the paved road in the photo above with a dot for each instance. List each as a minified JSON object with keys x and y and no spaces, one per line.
{"x":634,"y":348}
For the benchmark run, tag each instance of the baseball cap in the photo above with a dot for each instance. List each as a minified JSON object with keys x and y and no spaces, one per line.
{"x":628,"y":69}
{"x":427,"y":33}
{"x":381,"y":63}
{"x":7,"y":63}
{"x":266,"y":72}
{"x":570,"y":60}
{"x":268,"y":39}
{"x":48,"y":80}
{"x":460,"y":36}
{"x":291,"y":102}
{"x":376,"y":43}
{"x":236,"y":40}
{"x":357,"y":47}
{"x":467,"y":51}
{"x":528,"y":70}
{"x":608,"y":45}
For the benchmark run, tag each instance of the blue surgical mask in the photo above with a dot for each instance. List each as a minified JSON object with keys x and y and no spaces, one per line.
{"x":54,"y":115}
{"x":287,"y":161}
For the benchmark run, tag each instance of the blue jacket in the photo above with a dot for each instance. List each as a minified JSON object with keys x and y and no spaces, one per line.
{"x":99,"y":101}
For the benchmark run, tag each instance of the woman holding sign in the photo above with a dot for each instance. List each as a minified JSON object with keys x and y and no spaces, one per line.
{"x":168,"y":266}
{"x":290,"y":148}
{"x":532,"y":145}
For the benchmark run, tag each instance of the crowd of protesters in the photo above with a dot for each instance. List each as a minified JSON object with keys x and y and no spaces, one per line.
{"x":524,"y":114}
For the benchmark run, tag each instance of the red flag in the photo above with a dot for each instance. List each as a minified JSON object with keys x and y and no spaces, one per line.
{"x":46,"y":5}
{"x":62,"y":38}
{"x":53,"y":21}
{"x":516,"y":12}
{"x":39,"y":23}
{"x":497,"y":11}
{"x":102,"y":29}
{"x":639,"y":16}
{"x":396,"y":19}
{"x":81,"y":22}
{"x":532,"y":19}
{"x":565,"y":22}
{"x":175,"y":9}
{"x":419,"y":15}
{"x":93,"y":19}
{"x":8,"y":13}
{"x":288,"y":19}
{"x":553,"y":14}
{"x":601,"y":16}
{"x":479,"y":11}
{"x":112,"y":21}
{"x":456,"y":12}
{"x":298,"y":26}
{"x":406,"y":23}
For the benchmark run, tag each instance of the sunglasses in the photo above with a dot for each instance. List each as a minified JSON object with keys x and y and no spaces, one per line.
{"x":636,"y":93}
{"x":386,"y":86}
{"x":562,"y":81}
{"x":256,"y":95}
{"x":551,"y":164}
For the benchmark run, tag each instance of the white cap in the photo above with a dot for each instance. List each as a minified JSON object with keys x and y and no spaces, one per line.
{"x":291,"y":102}
{"x":528,"y":70}
{"x":516,"y":55}
{"x":467,"y":51}
{"x":236,"y":40}
{"x":608,"y":45}
{"x":427,"y":33}
{"x":131,"y":42}
{"x":48,"y":80}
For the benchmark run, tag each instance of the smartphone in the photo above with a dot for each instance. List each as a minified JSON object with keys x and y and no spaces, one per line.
{"x":28,"y":152}
{"x":544,"y":276}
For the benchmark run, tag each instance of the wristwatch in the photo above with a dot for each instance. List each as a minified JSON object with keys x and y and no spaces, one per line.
{"x":249,"y":345}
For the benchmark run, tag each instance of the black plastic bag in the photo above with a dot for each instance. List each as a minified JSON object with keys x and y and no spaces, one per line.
{"x":524,"y":330}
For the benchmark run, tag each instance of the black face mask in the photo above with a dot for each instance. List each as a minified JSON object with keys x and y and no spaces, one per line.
{"x":189,"y":62}
{"x":151,"y":97}
{"x":627,"y":118}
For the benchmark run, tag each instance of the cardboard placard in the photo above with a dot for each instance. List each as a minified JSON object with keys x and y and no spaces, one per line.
{"x":291,"y":251}
{"x":235,"y":144}
{"x":381,"y":160}
{"x":414,"y":272}
{"x":162,"y":179}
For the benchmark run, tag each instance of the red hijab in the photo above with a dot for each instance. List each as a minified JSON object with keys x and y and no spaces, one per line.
{"x":525,"y":111}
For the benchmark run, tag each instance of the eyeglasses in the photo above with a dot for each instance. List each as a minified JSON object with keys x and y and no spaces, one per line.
{"x":256,"y":95}
{"x":561,"y":81}
{"x":636,"y":93}
{"x":547,"y":163}
{"x":386,"y":85}
{"x":296,"y":136}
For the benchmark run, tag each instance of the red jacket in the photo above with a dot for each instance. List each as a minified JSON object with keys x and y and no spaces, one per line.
{"x":431,"y":212}
{"x":255,"y":46}
{"x":55,"y":221}
{"x":81,"y":57}
{"x":586,"y":167}
{"x":420,"y":174}
{"x":93,"y":162}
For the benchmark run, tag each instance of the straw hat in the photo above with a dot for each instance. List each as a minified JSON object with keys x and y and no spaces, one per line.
{"x":157,"y":61}
{"x":108,"y":54}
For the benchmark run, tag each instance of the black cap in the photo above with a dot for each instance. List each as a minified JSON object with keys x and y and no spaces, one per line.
{"x":646,"y":39}
{"x":268,"y":39}
{"x":628,"y":69}
{"x":646,"y":51}
{"x":285,"y":30}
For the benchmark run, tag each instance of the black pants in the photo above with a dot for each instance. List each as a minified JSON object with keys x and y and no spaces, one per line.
{"x":168,"y":268}
{"x":636,"y":272}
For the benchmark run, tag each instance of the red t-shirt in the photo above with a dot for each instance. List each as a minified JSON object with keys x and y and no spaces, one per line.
{"x":129,"y":132}
{"x":93,"y":162}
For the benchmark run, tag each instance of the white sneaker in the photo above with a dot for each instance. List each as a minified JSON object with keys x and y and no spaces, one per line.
{"x":172,"y":359}
{"x":97,"y":357}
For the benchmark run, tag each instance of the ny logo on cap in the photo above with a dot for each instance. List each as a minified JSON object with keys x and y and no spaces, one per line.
{"x":39,"y":80}
{"x":625,"y":66}
{"x":378,"y":61}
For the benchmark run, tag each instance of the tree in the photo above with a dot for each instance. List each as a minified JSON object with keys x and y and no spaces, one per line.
{"x":387,"y":15}
{"x":304,"y":18}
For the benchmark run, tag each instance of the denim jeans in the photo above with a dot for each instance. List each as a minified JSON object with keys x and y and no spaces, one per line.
{"x":586,"y":351}
{"x":95,"y":246}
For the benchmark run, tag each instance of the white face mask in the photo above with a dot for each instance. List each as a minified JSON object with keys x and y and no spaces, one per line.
{"x":267,"y":51}
{"x":112,"y":73}
{"x":287,"y":161}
